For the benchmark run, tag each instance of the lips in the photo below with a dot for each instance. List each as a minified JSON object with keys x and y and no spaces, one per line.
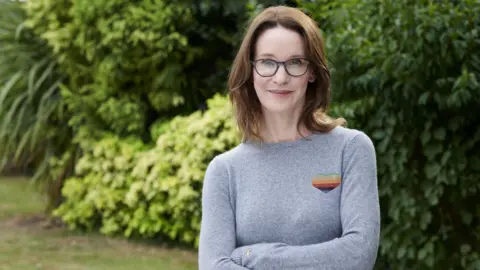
{"x":280,"y":92}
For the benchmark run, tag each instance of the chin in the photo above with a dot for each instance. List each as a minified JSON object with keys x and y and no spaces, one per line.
{"x":280,"y":105}
{"x":277,"y":108}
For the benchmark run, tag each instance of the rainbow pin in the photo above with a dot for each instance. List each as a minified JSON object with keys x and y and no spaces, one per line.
{"x":326,"y":182}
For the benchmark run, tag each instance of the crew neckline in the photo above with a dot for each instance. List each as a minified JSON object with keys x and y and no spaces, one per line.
{"x":291,"y":143}
{"x":288,"y":144}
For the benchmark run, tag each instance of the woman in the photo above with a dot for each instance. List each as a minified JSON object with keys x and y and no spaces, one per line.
{"x":300,"y":191}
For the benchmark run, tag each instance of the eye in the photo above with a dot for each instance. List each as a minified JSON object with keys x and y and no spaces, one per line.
{"x":296,"y":62}
{"x":267,"y":62}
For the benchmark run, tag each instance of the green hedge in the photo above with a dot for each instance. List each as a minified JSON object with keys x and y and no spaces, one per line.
{"x":420,"y":62}
{"x":124,"y":187}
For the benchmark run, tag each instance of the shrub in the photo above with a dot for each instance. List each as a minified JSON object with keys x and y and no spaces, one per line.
{"x":419,"y":61}
{"x":125,"y":59}
{"x":123,"y":188}
{"x":94,"y":196}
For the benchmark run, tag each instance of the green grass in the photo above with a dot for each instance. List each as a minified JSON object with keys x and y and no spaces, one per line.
{"x":25,"y":243}
{"x":17,"y":197}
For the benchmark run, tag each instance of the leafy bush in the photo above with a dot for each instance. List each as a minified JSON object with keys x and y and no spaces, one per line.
{"x":122,"y":188}
{"x":419,"y":61}
{"x":95,"y":194}
{"x":132,"y":62}
{"x":125,"y":59}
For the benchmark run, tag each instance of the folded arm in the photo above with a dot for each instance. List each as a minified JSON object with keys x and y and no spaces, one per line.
{"x":217,"y":231}
{"x":356,"y":248}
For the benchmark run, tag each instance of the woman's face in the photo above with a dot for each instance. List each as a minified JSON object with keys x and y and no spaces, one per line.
{"x":281,"y":92}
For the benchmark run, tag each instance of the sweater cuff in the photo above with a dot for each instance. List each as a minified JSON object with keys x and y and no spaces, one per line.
{"x":248,"y":256}
{"x":237,"y":255}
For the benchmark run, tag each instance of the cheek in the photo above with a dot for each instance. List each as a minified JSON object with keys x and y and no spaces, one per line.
{"x":302,"y":83}
{"x":259,"y":83}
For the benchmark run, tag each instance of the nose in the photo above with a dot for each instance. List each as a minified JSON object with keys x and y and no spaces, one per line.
{"x":281,"y":77}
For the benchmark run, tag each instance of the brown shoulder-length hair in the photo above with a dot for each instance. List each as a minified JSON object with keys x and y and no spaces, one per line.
{"x":247,"y":107}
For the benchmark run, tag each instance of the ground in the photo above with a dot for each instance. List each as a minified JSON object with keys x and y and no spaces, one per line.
{"x":27,"y":243}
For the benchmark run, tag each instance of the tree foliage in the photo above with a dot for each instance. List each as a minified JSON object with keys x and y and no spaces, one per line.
{"x":419,"y":61}
{"x":125,"y":59}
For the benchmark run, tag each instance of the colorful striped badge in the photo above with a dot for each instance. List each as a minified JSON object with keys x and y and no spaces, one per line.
{"x":326,"y":182}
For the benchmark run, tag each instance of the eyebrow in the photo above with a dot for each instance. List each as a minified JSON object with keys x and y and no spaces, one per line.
{"x":292,"y":56}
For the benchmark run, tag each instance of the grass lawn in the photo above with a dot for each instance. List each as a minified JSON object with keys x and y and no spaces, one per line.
{"x":25,"y":243}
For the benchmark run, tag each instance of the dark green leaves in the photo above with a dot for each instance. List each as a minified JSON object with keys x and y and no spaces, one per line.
{"x":420,"y":60}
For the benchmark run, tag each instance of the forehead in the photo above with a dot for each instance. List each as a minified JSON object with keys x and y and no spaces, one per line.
{"x":280,"y":43}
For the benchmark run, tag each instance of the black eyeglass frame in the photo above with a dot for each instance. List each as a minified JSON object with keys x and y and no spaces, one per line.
{"x":278,"y":63}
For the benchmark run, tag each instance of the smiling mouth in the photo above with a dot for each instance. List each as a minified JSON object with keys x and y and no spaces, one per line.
{"x":280,"y":92}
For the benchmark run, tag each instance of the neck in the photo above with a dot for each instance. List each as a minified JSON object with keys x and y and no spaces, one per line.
{"x":282,"y":127}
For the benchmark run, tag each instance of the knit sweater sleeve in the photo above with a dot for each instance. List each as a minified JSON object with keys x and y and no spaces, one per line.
{"x":217,"y":229}
{"x":356,"y":248}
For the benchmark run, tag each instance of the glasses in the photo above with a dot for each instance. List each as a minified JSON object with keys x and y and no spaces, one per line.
{"x":269,"y":67}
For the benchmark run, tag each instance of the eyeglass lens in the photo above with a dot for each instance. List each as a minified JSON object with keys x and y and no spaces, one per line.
{"x":268,"y":67}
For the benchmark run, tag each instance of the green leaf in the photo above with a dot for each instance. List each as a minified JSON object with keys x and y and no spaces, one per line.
{"x":432,"y":170}
{"x":465,"y":248}
{"x":401,"y":252}
{"x":378,"y":134}
{"x":439,"y":134}
{"x":422,"y":100}
{"x":433,"y":149}
{"x":422,"y":254}
{"x":467,"y":217}
{"x":425,"y":137}
{"x":7,"y":88}
{"x":445,"y":157}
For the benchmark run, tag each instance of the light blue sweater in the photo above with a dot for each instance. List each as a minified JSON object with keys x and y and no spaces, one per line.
{"x":305,"y":204}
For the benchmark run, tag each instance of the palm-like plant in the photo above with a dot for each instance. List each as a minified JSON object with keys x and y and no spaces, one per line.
{"x":33,"y":119}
